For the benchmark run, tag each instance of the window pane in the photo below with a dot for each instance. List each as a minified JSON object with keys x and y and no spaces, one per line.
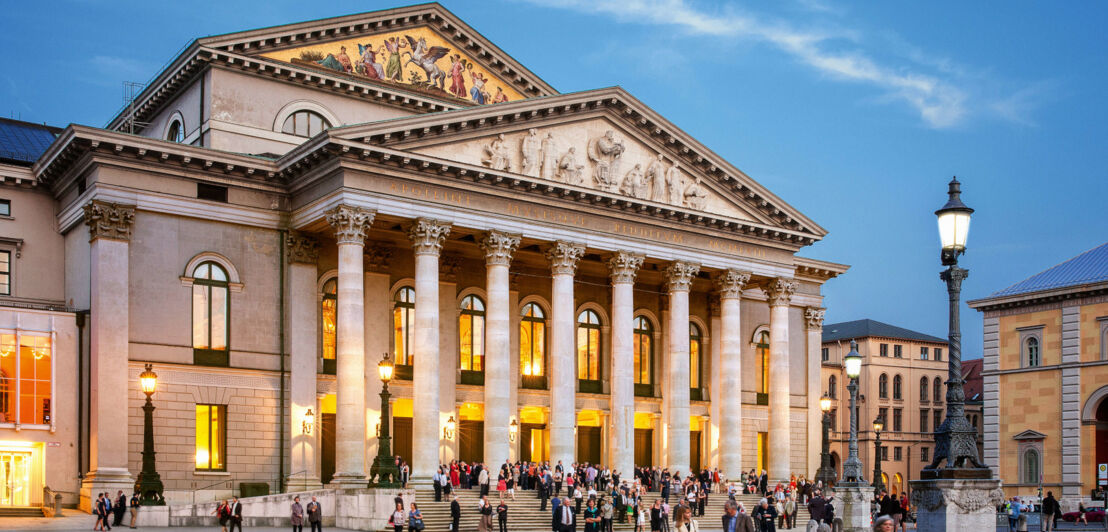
{"x":199,"y":316}
{"x":290,"y":125}
{"x":203,"y":457}
{"x":409,"y":326}
{"x":218,"y":274}
{"x":478,"y":343}
{"x":315,"y":124}
{"x":763,"y":360}
{"x":398,"y":338}
{"x":5,"y":272}
{"x":594,"y":354}
{"x":694,"y":363}
{"x":465,"y":341}
{"x":525,"y":347}
{"x":538,"y":349}
{"x":638,"y":358}
{"x":328,"y":316}
{"x":301,"y":124}
{"x":202,"y":271}
{"x":8,"y":357}
{"x":219,"y":317}
{"x":216,"y":431}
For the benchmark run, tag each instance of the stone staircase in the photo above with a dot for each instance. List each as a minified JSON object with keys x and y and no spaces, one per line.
{"x":524,"y":514}
{"x":21,"y":511}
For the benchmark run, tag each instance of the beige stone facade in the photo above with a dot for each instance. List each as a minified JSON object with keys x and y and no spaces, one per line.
{"x":563,"y":264}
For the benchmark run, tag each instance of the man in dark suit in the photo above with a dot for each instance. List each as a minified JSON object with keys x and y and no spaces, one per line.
{"x":315,"y":515}
{"x":554,"y":515}
{"x":455,"y":513}
{"x":544,"y":494}
{"x":565,"y":518}
{"x":763,"y":483}
{"x":236,"y":514}
{"x":119,"y":507}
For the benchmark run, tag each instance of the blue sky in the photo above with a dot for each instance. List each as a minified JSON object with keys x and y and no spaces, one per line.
{"x":856,"y":113}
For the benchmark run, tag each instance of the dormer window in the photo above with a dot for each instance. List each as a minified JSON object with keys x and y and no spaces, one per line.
{"x":305,"y":124}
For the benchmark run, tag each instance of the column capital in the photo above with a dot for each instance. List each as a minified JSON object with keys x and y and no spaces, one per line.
{"x":427,"y":235}
{"x":499,"y":247}
{"x":814,"y":317}
{"x":780,"y":291}
{"x":624,"y":266}
{"x":680,"y":274}
{"x":563,"y":256}
{"x":109,"y":220}
{"x":301,"y":249}
{"x":350,"y":223}
{"x":730,"y":283}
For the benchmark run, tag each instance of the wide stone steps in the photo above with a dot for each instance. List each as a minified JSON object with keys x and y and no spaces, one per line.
{"x":21,"y":511}
{"x":524,"y":514}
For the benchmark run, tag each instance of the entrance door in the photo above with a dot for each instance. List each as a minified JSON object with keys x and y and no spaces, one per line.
{"x":588,"y":445}
{"x":327,"y":453}
{"x":694,"y":451}
{"x":402,"y":439}
{"x":532,"y":442}
{"x":471,"y":441}
{"x":644,"y":447}
{"x":15,"y":478}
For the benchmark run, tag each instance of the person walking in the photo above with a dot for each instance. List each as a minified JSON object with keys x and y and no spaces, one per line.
{"x":607,"y":512}
{"x":396,"y":521}
{"x":315,"y":516}
{"x":765,"y":517}
{"x":502,"y":516}
{"x":98,"y":512}
{"x":236,"y":515}
{"x":656,"y":516}
{"x":415,"y":518}
{"x":1013,"y":514}
{"x":734,"y":521}
{"x":484,"y":523}
{"x":455,"y":513}
{"x":297,"y":517}
{"x":135,"y":503}
{"x":1050,"y":507}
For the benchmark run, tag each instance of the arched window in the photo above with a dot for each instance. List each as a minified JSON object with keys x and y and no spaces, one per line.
{"x":210,"y":314}
{"x":328,"y":315}
{"x":588,"y":346}
{"x":695,"y":341}
{"x":924,"y":387}
{"x":898,"y":384}
{"x":763,"y":361}
{"x":403,"y":322}
{"x":644,"y":351}
{"x":176,"y":132}
{"x":471,"y":334}
{"x":305,"y":124}
{"x":883,"y":386}
{"x":1033,"y":358}
{"x":832,"y":387}
{"x":1030,"y":467}
{"x":532,"y":341}
{"x":937,"y":394}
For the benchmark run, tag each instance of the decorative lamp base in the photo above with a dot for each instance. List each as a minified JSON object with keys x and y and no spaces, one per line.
{"x":956,"y":504}
{"x":852,"y":505}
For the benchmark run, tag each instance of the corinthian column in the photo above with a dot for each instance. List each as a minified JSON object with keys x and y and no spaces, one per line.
{"x":351,"y":224}
{"x":110,"y":228}
{"x":427,"y":236}
{"x":779,"y":292}
{"x":624,"y":266}
{"x":563,"y":257}
{"x":498,"y":247}
{"x":302,"y":326}
{"x":730,"y":285}
{"x":679,"y":277}
{"x":813,"y":317}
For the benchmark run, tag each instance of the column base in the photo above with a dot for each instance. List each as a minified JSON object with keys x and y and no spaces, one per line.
{"x":956,"y":504}
{"x":852,"y":505}
{"x":104,"y":480}
{"x":345,"y":481}
{"x":302,"y":483}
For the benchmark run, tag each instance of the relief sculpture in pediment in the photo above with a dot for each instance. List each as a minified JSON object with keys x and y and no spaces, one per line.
{"x":605,"y":153}
{"x":497,"y":155}
{"x":531,"y":149}
{"x":569,"y":172}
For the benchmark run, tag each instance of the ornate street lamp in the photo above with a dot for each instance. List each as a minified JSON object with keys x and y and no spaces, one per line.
{"x":955,"y":439}
{"x":826,"y":473}
{"x":149,"y":484}
{"x":878,"y":426}
{"x":513,"y":430}
{"x":384,"y":465}
{"x":852,"y":467}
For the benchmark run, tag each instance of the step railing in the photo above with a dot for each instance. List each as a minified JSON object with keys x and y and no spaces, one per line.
{"x":51,"y":502}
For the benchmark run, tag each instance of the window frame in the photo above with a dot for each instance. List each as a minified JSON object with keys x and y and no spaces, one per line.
{"x":938,"y":352}
{"x":329,"y":364}
{"x":5,"y":205}
{"x":937,"y":390}
{"x":924,"y":352}
{"x":10,"y":263}
{"x":883,"y":350}
{"x":179,"y":137}
{"x":832,"y":387}
{"x":472,"y":376}
{"x":403,"y":362}
{"x":883,"y":386}
{"x":1027,"y":450}
{"x":583,"y":323}
{"x":17,"y":380}
{"x":640,"y":333}
{"x":825,"y":354}
{"x":898,"y":420}
{"x":898,"y":388}
{"x":533,"y":381}
{"x":924,"y":417}
{"x":898,"y":351}
{"x":222,"y":409}
{"x":924,"y":389}
{"x":307,"y":114}
{"x":696,"y":374}
{"x":1032,"y":353}
{"x":207,"y":356}
{"x":762,"y":349}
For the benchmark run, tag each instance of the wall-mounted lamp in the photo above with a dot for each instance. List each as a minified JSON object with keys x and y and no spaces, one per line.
{"x":448,"y":430}
{"x":309,"y":421}
{"x":513,"y":431}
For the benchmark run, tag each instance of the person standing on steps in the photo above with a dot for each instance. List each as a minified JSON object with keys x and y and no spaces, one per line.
{"x":483,"y":481}
{"x":502,"y":516}
{"x":436,"y":482}
{"x":455,"y":513}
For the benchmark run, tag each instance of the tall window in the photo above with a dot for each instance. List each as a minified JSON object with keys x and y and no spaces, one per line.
{"x":938,"y":353}
{"x":924,"y":454}
{"x":923,"y":415}
{"x":832,"y":386}
{"x":923,"y":353}
{"x":898,"y":385}
{"x":328,"y":314}
{"x":883,"y":386}
{"x":884,"y":350}
{"x":532,"y":341}
{"x":644,"y":351}
{"x":937,"y":386}
{"x":924,"y":388}
{"x":211,"y":437}
{"x":305,"y":124}
{"x":588,"y":346}
{"x":834,"y":419}
{"x":176,"y":132}
{"x":898,"y":351}
{"x":210,"y":314}
{"x":883,"y":413}
{"x":763,"y":359}
{"x":27,"y":363}
{"x":1033,"y":358}
{"x":825,"y":354}
{"x":1030,"y":467}
{"x":403,"y":322}
{"x":898,"y":420}
{"x":695,"y":341}
{"x":5,"y":273}
{"x":471,"y":334}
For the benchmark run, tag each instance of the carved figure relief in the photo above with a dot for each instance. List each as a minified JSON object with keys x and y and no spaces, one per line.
{"x":549,"y":158}
{"x":497,"y":155}
{"x":530,"y":147}
{"x":606,"y":152}
{"x":634,"y":183}
{"x":673,"y":185}
{"x":569,"y":172}
{"x":695,"y":197}
{"x":656,"y":178}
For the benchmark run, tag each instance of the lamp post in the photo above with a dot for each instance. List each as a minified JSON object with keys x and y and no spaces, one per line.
{"x":878,"y":426}
{"x":149,"y":484}
{"x":826,"y":473}
{"x":384,"y":466}
{"x":852,"y":467}
{"x":955,"y":439}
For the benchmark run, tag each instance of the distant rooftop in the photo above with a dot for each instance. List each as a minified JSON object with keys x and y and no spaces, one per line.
{"x":1087,"y":268}
{"x":971,"y":373}
{"x":864,"y":328}
{"x":24,"y":142}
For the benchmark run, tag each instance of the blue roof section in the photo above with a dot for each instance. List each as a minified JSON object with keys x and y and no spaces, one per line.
{"x":24,"y":142}
{"x":1087,"y":268}
{"x":849,"y":330}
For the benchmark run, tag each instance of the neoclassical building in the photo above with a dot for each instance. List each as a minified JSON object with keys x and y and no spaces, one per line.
{"x":565,"y":277}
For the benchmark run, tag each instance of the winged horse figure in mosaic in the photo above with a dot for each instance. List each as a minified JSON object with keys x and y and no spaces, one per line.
{"x":426,"y":57}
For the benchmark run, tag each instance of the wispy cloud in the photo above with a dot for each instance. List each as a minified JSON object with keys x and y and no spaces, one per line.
{"x":931,"y":86}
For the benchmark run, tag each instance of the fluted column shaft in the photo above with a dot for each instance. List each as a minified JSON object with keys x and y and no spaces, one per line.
{"x":624,"y":266}
{"x":679,"y":276}
{"x":498,"y":247}
{"x":563,"y":257}
{"x":779,"y":293}
{"x":730,"y":285}
{"x":427,"y":237}
{"x":351,"y":224}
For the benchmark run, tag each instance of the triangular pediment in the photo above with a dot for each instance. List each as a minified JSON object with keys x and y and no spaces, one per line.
{"x":1029,"y":435}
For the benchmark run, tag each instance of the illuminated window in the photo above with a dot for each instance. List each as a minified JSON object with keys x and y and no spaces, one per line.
{"x":29,"y":366}
{"x":695,"y":341}
{"x":210,"y":314}
{"x":5,"y":273}
{"x":176,"y":132}
{"x":211,"y":437}
{"x":883,"y":386}
{"x":471,"y":334}
{"x":588,"y":346}
{"x":403,"y":322}
{"x":532,"y":341}
{"x":644,"y":351}
{"x":328,"y":314}
{"x":305,"y":124}
{"x":763,"y":362}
